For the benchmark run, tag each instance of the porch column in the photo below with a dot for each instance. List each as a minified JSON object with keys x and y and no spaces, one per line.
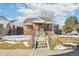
{"x":50,"y":26}
{"x":43,"y":26}
{"x":46,"y":27}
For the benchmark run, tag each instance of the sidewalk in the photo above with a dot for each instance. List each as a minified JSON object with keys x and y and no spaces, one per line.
{"x":36,"y":52}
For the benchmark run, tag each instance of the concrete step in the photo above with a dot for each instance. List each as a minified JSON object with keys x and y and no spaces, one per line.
{"x":41,"y":44}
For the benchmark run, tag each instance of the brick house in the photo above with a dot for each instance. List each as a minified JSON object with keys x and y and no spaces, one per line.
{"x":16,"y":28}
{"x":32,"y":24}
{"x":28,"y":26}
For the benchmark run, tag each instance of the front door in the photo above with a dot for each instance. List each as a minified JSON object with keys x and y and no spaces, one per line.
{"x":40,"y":26}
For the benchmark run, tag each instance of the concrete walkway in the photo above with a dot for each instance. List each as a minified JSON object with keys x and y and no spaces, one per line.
{"x":36,"y":52}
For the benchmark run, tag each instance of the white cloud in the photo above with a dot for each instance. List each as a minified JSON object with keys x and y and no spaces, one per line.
{"x":20,"y":5}
{"x":29,"y":12}
{"x":57,"y":11}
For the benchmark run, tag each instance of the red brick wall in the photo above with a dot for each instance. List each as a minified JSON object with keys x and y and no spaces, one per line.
{"x":35,"y":27}
{"x":27,"y":30}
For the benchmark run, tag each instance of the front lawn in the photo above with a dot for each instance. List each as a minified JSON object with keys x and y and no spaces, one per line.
{"x":20,"y":45}
{"x":61,"y":40}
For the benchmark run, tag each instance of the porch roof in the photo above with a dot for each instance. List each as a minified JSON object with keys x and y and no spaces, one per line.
{"x":37,"y":20}
{"x":28,"y":24}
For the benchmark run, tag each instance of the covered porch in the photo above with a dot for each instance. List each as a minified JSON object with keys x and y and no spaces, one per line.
{"x":46,"y":26}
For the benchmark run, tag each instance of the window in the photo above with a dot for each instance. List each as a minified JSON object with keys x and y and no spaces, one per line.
{"x":1,"y":26}
{"x":29,"y":26}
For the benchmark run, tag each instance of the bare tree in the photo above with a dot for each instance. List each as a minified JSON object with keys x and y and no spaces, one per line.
{"x":4,"y":31}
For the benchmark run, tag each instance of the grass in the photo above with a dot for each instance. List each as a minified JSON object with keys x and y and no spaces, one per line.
{"x":55,"y":40}
{"x":2,"y":40}
{"x":61,"y":40}
{"x":15,"y":46}
{"x":64,"y":39}
{"x":29,"y":41}
{"x":11,"y":46}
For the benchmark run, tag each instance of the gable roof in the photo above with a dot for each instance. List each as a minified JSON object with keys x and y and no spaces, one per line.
{"x":3,"y":20}
{"x":16,"y":23}
{"x":28,"y":20}
{"x":47,"y":20}
{"x":38,"y":20}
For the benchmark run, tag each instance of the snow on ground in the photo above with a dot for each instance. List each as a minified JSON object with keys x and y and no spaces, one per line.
{"x":17,"y":37}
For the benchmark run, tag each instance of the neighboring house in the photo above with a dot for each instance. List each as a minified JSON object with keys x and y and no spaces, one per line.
{"x":56,"y":29}
{"x":74,"y":31}
{"x":12,"y":27}
{"x":16,"y":28}
{"x":33,"y":24}
{"x":3,"y":22}
{"x":4,"y":28}
{"x":28,"y":26}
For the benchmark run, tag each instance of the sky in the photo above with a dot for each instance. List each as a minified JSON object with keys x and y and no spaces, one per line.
{"x":58,"y":12}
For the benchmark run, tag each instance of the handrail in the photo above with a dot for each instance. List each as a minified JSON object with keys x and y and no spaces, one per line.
{"x":34,"y":38}
{"x":49,"y":41}
{"x":33,"y":41}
